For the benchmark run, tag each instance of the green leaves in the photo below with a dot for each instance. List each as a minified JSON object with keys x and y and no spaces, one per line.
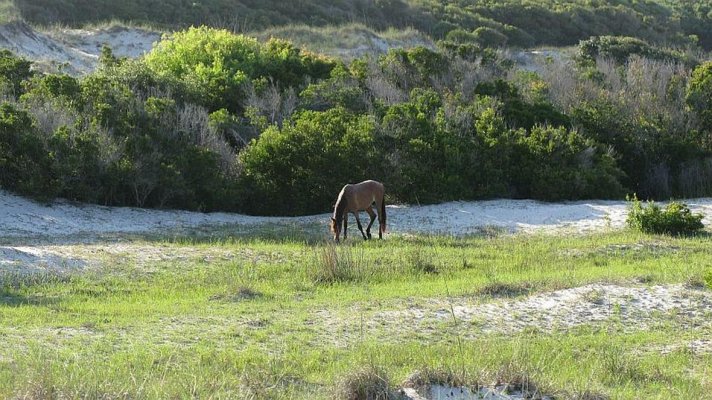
{"x":217,"y":64}
{"x":699,"y":93}
{"x":23,"y":160}
{"x":13,"y":70}
{"x":301,"y":167}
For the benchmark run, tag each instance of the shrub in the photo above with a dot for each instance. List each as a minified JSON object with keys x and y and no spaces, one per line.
{"x":674,"y":219}
{"x":561,"y":164}
{"x":13,"y":70}
{"x":219,"y":64}
{"x":488,"y":37}
{"x":24,"y":163}
{"x":300,"y":168}
{"x":699,"y":94}
{"x":620,"y":48}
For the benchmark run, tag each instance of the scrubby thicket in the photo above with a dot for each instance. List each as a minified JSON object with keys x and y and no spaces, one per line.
{"x":514,"y":22}
{"x":211,"y":120}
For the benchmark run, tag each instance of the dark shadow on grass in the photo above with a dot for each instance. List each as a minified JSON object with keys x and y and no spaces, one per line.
{"x":14,"y":284}
{"x":308,"y":233}
{"x":10,"y":299}
{"x":506,"y":290}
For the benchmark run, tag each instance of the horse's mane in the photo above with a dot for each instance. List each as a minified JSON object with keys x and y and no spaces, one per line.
{"x":341,"y":203}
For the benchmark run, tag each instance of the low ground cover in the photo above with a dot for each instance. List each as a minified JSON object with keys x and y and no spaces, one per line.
{"x":254,"y":317}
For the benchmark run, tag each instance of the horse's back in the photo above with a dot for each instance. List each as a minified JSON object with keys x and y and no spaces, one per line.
{"x":363,"y":194}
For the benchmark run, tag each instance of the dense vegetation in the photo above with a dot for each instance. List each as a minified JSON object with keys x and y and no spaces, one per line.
{"x":212,"y":120}
{"x":512,"y":22}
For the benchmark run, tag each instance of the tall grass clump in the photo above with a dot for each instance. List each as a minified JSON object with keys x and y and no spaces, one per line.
{"x":369,"y":383}
{"x":675,"y":219}
{"x":334,"y":264}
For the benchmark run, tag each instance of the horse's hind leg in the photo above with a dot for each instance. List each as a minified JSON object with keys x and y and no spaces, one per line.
{"x":372,"y":214}
{"x":381,"y":208}
{"x":358,"y":222}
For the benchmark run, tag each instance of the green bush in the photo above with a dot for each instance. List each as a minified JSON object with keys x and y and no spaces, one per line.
{"x":24,"y":162}
{"x":674,"y":219}
{"x":559,"y":164}
{"x":488,"y":37}
{"x":13,"y":71}
{"x":699,"y":94}
{"x":620,"y":48}
{"x":217,"y":64}
{"x":301,"y":167}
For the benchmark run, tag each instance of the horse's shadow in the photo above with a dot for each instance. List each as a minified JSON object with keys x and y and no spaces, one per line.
{"x":10,"y":299}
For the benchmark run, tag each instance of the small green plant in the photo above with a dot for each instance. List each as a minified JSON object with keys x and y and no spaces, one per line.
{"x":675,"y":219}
{"x":422,"y":262}
{"x":708,"y":279}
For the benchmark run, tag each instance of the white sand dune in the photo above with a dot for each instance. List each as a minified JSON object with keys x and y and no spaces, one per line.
{"x":20,"y":217}
{"x":74,"y":51}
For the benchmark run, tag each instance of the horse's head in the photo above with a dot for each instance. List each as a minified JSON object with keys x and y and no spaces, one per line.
{"x":335,"y":229}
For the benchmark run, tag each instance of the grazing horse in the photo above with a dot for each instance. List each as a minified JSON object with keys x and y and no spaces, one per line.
{"x":359,"y":197}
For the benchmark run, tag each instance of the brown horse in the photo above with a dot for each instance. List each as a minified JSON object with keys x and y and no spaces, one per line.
{"x":359,"y":197}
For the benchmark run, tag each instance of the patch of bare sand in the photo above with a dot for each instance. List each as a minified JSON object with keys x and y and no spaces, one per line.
{"x":448,"y":392}
{"x":629,"y":307}
{"x":77,"y":258}
{"x":31,"y":259}
{"x":600,"y":306}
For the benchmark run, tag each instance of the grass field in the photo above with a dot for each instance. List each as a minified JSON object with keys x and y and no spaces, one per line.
{"x":250,"y":317}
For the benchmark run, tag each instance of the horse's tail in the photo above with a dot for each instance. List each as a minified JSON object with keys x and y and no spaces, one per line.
{"x":382,"y":215}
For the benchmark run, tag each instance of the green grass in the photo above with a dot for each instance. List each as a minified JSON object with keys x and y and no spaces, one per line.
{"x":247,"y":317}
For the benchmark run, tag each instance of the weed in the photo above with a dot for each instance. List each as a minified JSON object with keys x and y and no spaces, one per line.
{"x":421,"y":261}
{"x":595,"y":296}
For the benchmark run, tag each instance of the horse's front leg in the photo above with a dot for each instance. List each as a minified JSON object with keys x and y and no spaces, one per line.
{"x":346,"y":224}
{"x":358,"y":223}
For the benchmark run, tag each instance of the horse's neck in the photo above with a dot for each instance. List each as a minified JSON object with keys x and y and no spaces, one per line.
{"x":340,"y":208}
